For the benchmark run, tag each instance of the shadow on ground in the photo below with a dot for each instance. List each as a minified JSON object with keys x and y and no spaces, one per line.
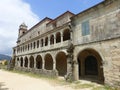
{"x":1,"y":86}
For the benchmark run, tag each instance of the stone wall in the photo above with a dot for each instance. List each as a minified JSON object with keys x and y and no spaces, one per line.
{"x":109,"y":51}
{"x":42,"y":72}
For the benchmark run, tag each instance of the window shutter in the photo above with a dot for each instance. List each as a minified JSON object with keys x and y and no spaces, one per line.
{"x":85,"y":28}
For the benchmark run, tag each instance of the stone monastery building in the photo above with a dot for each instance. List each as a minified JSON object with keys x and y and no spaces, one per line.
{"x":82,"y":46}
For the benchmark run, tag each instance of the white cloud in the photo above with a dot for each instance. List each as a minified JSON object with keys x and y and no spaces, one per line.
{"x":12,"y":14}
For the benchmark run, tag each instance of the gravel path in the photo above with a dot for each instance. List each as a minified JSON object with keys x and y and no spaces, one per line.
{"x":14,"y":81}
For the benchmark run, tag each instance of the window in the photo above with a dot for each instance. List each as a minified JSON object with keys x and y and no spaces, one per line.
{"x":31,"y":45}
{"x":51,"y":39}
{"x":38,"y":32}
{"x":28,"y":47}
{"x":46,"y":41}
{"x":42,"y":42}
{"x":85,"y":28}
{"x":58,"y":37}
{"x":37,"y":43}
{"x":66,"y":35}
{"x":34,"y":45}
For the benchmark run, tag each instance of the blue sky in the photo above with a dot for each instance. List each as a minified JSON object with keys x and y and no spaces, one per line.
{"x":53,"y":8}
{"x":31,"y":12}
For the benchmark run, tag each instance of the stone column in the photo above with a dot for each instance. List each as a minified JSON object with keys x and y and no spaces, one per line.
{"x":61,"y":37}
{"x":28,"y":63}
{"x":23,"y":63}
{"x":71,"y":35}
{"x":34,"y":64}
{"x":43,"y":65}
{"x":54,"y":65}
{"x":16,"y":62}
{"x":54,"y":39}
{"x":48,"y":40}
{"x":43,"y":42}
{"x":69,"y":68}
{"x":75,"y":71}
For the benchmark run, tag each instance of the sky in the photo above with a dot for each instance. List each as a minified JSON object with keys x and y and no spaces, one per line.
{"x":15,"y":12}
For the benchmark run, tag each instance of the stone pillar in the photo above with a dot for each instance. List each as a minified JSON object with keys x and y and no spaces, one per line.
{"x":75,"y":71}
{"x":23,"y":63}
{"x":48,"y":40}
{"x":54,"y":39}
{"x":61,"y":37}
{"x":31,"y":46}
{"x":19,"y":63}
{"x":54,"y":65}
{"x":34,"y":64}
{"x":43,"y":42}
{"x":43,"y":66}
{"x":71,"y":35}
{"x":16,"y":62}
{"x":28,"y":63}
{"x":69,"y":68}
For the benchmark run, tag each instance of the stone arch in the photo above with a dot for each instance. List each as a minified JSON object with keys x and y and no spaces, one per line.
{"x":58,"y":37}
{"x":31,"y":62}
{"x":51,"y":39}
{"x":31,"y":46}
{"x":46,"y":41}
{"x":66,"y":34}
{"x":26,"y":62}
{"x":21,"y":61}
{"x":28,"y":47}
{"x":17,"y":61}
{"x":39,"y":62}
{"x":48,"y":62}
{"x":90,"y":65}
{"x":38,"y":43}
{"x":42,"y":42}
{"x":34,"y":44}
{"x":23,"y":48}
{"x":61,"y":63}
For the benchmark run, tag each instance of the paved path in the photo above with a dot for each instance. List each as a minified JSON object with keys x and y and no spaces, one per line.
{"x":14,"y":81}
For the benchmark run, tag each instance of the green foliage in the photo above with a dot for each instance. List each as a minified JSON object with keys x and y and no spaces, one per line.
{"x":6,"y":63}
{"x":104,"y":88}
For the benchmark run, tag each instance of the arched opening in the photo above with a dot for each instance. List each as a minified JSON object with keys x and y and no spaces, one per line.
{"x":46,"y":41}
{"x":61,"y":63}
{"x":17,"y":61}
{"x":21,"y":60}
{"x":26,"y":62}
{"x":90,"y":65}
{"x":52,"y":39}
{"x":66,"y":35}
{"x":37,"y":43}
{"x":31,"y":62}
{"x":41,"y":42}
{"x":28,"y":47}
{"x":23,"y":48}
{"x":31,"y":46}
{"x":58,"y":37}
{"x":48,"y":62}
{"x":39,"y":62}
{"x":34,"y":44}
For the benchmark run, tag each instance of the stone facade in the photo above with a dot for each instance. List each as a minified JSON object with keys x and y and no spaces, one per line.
{"x":82,"y":46}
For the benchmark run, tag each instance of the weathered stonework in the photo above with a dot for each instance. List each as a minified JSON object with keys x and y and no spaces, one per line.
{"x":61,"y":47}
